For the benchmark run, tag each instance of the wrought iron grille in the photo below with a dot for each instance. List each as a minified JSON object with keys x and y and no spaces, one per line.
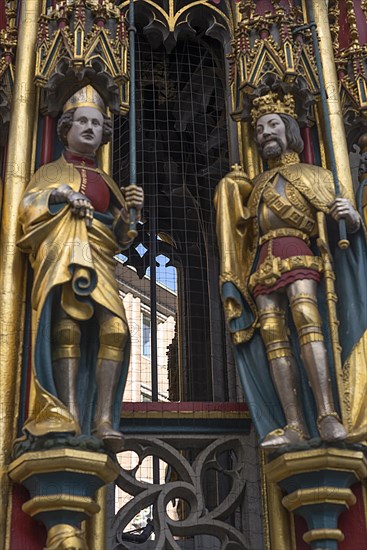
{"x":182,"y":152}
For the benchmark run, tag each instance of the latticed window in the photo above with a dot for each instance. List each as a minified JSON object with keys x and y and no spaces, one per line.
{"x":182,"y":152}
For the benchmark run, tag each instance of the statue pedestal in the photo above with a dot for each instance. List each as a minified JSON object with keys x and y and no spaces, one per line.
{"x":62,"y":484}
{"x":317,"y":486}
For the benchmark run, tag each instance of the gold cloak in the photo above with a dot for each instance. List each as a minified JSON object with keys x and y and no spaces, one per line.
{"x":64,"y":253}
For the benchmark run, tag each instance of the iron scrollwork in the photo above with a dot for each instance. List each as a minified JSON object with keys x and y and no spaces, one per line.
{"x":224,"y":455}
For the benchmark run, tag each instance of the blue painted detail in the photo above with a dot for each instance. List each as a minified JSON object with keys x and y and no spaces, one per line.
{"x":323,"y":478}
{"x":27,"y":321}
{"x":57,"y":149}
{"x":328,"y":544}
{"x":362,"y":90}
{"x":310,"y":71}
{"x":321,"y":516}
{"x":70,"y":483}
{"x":79,"y":42}
{"x":183,"y":426}
{"x":25,"y":356}
{"x":87,"y":389}
{"x":51,"y":485}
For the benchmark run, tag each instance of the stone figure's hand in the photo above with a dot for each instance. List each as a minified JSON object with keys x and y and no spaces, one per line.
{"x":134,"y":197}
{"x":342,"y":208}
{"x":80,"y":204}
{"x":242,"y":180}
{"x":60,"y":194}
{"x":82,"y":207}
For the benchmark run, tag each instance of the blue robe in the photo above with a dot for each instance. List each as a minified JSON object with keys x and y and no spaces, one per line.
{"x":238,"y":233}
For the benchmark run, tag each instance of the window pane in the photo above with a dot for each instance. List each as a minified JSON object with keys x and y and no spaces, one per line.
{"x":146,"y":336}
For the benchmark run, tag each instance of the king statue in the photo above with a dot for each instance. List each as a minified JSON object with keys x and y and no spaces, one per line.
{"x":272,"y":281}
{"x":74,"y":219}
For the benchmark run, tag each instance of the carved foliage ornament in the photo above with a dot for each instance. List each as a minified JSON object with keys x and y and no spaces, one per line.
{"x":83,"y":42}
{"x":163,"y":22}
{"x":271,"y":46}
{"x":350,"y":52}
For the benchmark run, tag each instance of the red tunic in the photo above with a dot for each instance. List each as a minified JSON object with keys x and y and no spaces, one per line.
{"x":286,"y":247}
{"x":93,"y":185}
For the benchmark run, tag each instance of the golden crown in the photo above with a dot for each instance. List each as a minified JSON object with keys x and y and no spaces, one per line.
{"x":86,"y":97}
{"x":271,"y":103}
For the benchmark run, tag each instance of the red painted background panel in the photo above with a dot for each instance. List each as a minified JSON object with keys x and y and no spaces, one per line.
{"x":263,"y":6}
{"x":2,"y":15}
{"x":352,"y":523}
{"x":26,"y":533}
{"x":361,"y":22}
{"x":344,"y":37}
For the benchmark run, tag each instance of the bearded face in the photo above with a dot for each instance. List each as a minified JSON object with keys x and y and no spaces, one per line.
{"x":271,"y":136}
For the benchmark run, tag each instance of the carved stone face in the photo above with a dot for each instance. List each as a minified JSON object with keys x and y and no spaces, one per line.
{"x":85,"y":134}
{"x":271,"y":136}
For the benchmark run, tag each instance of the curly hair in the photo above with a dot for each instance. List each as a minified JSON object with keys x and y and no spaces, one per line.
{"x":292,"y":132}
{"x":66,"y":120}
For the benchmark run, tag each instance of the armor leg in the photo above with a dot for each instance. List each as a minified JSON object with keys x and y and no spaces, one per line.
{"x":306,"y":317}
{"x":113,"y":335}
{"x":65,"y":362}
{"x":283,"y":370}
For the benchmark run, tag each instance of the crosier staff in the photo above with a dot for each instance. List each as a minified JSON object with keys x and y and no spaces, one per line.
{"x":132,"y":233}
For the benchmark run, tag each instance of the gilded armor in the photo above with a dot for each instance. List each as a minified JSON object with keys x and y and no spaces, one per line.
{"x":267,"y":232}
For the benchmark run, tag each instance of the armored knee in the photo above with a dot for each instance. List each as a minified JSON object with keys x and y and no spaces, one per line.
{"x":307,"y":318}
{"x":113,"y":335}
{"x":66,"y":338}
{"x":274,"y":333}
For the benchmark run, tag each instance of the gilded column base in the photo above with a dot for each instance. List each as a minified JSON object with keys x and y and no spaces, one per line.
{"x":62,"y":483}
{"x":317,"y":486}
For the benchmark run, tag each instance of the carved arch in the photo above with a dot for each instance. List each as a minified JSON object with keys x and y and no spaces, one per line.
{"x":166,"y":22}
